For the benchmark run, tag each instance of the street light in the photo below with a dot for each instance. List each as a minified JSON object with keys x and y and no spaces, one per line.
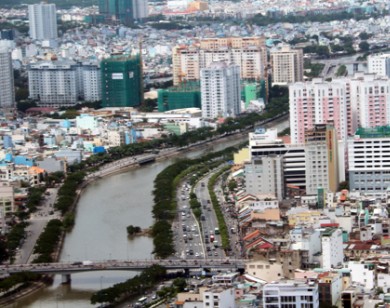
{"x":101,"y":282}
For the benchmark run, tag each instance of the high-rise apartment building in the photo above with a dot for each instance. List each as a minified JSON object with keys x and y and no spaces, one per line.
{"x":322,"y":168}
{"x":368,"y":160}
{"x":264,"y":176}
{"x":379,"y":64}
{"x":117,"y":11}
{"x":287,"y":65}
{"x":266,"y":142}
{"x":63,"y":83}
{"x":290,"y":293}
{"x":248,"y":52}
{"x":121,"y":81}
{"x":220,"y":90}
{"x":7,"y":93}
{"x":360,"y":101}
{"x":140,"y":9}
{"x":43,"y":21}
{"x":91,"y":80}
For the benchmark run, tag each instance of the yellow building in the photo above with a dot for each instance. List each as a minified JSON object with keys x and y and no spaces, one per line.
{"x":249,"y":53}
{"x":242,"y":156}
{"x":304,"y":218}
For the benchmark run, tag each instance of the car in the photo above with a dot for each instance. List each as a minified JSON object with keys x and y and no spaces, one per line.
{"x":197,"y":255}
{"x":207,"y":241}
{"x":206,"y":236}
{"x":216,"y":253}
{"x":208,"y":248}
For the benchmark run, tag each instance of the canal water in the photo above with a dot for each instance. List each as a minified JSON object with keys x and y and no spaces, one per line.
{"x":105,"y":209}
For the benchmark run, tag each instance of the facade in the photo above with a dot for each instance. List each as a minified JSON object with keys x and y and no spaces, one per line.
{"x":219,"y":297}
{"x":43,"y":21}
{"x":249,"y":53}
{"x":63,"y":83}
{"x":330,"y":285}
{"x":363,"y":273}
{"x":220,"y":90}
{"x":361,"y":101}
{"x":306,"y":239}
{"x":287,"y":65}
{"x":332,"y":248}
{"x":264,"y":176}
{"x":265,"y":142}
{"x":379,"y":64}
{"x":117,"y":11}
{"x":368,"y":160}
{"x":290,"y":294}
{"x":185,"y":95}
{"x":322,"y":169}
{"x":7,"y":92}
{"x":7,"y":202}
{"x":91,"y":79}
{"x":121,"y":81}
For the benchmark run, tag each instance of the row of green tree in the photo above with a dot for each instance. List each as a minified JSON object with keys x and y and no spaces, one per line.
{"x":17,"y":279}
{"x":277,"y":105}
{"x":264,"y":20}
{"x":165,"y":205}
{"x":223,"y":229}
{"x":67,"y":193}
{"x":135,"y":286}
{"x":47,"y":242}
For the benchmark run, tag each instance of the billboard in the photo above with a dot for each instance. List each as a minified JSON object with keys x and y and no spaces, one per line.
{"x":117,"y":76}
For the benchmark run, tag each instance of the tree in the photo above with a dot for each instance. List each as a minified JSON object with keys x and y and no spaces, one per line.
{"x":343,"y":185}
{"x":364,"y":35}
{"x":180,"y":284}
{"x":232,"y":185}
{"x":364,"y":46}
{"x":341,"y":71}
{"x":131,"y":230}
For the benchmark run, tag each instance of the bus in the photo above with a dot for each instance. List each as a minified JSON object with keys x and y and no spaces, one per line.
{"x":142,"y":300}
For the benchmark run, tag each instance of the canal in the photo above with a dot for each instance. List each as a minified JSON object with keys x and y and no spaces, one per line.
{"x":105,"y":209}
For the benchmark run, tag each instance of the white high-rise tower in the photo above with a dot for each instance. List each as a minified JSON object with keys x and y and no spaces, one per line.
{"x":7,"y":93}
{"x":43,"y":21}
{"x":220,"y":90}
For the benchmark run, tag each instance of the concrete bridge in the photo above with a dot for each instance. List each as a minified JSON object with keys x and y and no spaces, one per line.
{"x":67,"y":268}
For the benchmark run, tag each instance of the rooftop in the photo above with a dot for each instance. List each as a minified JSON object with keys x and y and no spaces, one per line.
{"x":374,"y":132}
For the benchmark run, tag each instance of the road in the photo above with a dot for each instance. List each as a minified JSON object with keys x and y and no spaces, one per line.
{"x":188,"y":240}
{"x":37,"y":223}
{"x":209,"y":219}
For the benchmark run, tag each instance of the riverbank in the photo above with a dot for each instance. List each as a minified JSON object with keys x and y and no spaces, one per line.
{"x":103,"y":202}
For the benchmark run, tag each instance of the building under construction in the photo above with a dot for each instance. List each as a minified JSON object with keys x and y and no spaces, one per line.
{"x":185,"y":95}
{"x":122,"y":81}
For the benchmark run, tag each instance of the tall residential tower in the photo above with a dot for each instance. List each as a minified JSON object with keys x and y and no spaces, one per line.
{"x":220,"y":90}
{"x":43,"y":21}
{"x":7,"y":93}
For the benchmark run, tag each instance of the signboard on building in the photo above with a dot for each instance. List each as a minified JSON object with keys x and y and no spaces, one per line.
{"x":117,"y":76}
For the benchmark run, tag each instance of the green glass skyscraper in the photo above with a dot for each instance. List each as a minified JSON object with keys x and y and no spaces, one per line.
{"x":117,"y":11}
{"x":121,"y":81}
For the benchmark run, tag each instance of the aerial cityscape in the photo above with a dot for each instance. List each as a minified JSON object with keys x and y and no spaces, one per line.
{"x":195,"y":153}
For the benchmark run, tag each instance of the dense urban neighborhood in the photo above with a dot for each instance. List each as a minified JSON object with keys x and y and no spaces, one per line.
{"x":190,"y":153}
